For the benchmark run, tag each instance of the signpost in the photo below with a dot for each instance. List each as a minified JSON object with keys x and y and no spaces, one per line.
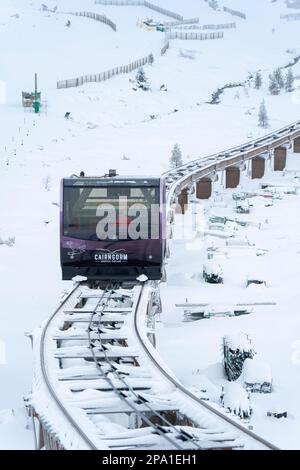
{"x":32,"y":99}
{"x":36,"y":103}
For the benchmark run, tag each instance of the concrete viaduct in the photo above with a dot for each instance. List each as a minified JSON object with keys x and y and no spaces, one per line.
{"x":201,"y":173}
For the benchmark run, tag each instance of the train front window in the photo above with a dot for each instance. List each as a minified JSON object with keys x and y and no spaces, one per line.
{"x":111,"y":213}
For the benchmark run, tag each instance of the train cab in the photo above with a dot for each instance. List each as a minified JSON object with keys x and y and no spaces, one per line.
{"x":112,"y":228}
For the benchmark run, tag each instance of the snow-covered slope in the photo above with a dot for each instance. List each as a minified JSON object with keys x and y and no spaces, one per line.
{"x":110,"y":120}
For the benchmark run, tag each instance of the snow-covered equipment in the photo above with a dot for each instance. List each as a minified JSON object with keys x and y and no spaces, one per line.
{"x":243,"y":207}
{"x":218,"y":311}
{"x":193,"y":314}
{"x":236,"y":400}
{"x":257,"y":279}
{"x":194,"y":311}
{"x":264,"y":193}
{"x":29,"y":98}
{"x":229,"y":226}
{"x":240,"y":310}
{"x":236,"y":349}
{"x":151,"y":25}
{"x":238,"y":196}
{"x":238,"y":242}
{"x":277,"y":414}
{"x":212,"y":272}
{"x":257,"y":376}
{"x":210,"y":252}
{"x":161,"y":28}
{"x":280,"y":188}
{"x":228,"y":222}
{"x":217,"y":219}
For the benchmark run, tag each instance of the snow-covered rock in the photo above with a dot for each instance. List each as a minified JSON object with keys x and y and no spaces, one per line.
{"x":257,"y":375}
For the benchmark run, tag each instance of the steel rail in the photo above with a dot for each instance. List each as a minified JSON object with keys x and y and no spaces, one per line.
{"x":120,"y":395}
{"x":47,"y":380}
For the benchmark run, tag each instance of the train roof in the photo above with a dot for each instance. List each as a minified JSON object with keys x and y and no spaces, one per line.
{"x":111,"y":181}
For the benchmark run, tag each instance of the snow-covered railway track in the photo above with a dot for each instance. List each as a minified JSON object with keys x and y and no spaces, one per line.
{"x":80,"y":394}
{"x":89,"y":370}
{"x":44,"y":436}
{"x":105,"y":379}
{"x":93,"y":358}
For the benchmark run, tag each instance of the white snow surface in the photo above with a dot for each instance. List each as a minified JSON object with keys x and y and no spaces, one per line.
{"x":194,"y":350}
{"x":111,"y":127}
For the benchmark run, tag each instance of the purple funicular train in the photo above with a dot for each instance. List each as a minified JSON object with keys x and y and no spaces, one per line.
{"x":112,"y":228}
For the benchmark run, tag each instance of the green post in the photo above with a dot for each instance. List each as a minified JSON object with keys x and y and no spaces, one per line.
{"x":36,"y":103}
{"x":36,"y":106}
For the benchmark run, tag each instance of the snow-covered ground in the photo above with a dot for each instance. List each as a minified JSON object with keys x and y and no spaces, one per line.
{"x":110,"y":120}
{"x":194,"y":349}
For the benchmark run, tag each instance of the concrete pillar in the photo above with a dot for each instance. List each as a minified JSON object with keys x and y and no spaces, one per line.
{"x":203,"y":188}
{"x":215,"y":177}
{"x":258,"y":167}
{"x":233,"y":174}
{"x":41,"y":439}
{"x":182,"y":202}
{"x":280,"y":154}
{"x":297,"y":145}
